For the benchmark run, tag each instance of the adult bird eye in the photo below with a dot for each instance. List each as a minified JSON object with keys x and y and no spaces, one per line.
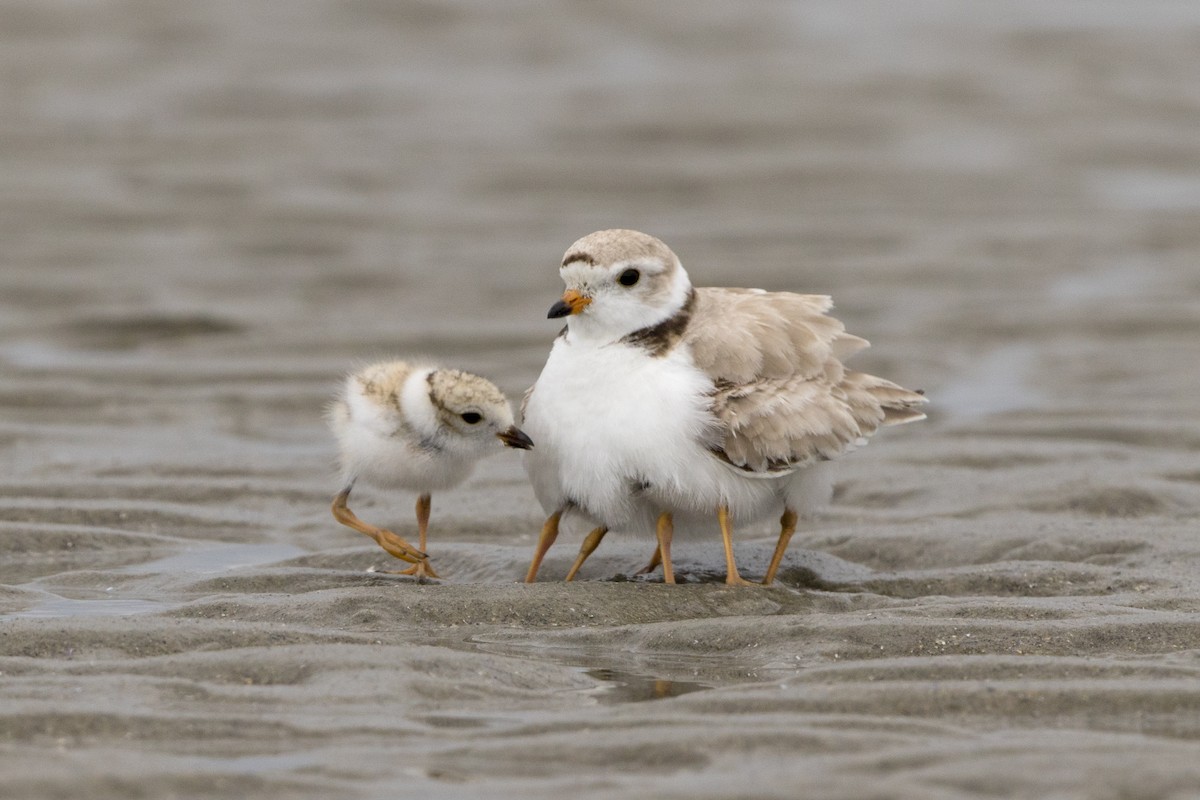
{"x":471,"y":418}
{"x":629,"y":277}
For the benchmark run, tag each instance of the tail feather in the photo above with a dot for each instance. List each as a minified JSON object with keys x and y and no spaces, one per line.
{"x":898,"y":405}
{"x":899,"y":416}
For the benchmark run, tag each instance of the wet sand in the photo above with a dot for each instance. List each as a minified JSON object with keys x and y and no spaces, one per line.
{"x":210,"y":212}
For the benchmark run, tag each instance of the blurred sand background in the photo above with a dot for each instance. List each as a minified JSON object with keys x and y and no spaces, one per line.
{"x":209,"y":211}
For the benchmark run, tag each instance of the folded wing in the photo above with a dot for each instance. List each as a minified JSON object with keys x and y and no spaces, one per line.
{"x":781,"y":393}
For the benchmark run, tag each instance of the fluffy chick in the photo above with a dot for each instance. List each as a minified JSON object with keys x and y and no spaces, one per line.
{"x":414,"y":426}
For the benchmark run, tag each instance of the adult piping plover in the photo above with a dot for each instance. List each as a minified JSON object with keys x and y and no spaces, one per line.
{"x":663,"y":398}
{"x":418,"y":427}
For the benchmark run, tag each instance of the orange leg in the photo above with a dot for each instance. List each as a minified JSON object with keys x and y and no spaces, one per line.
{"x":665,"y":530}
{"x":393,"y":544}
{"x":545,"y":540}
{"x":732,"y":577}
{"x":787,"y":526}
{"x":590,"y":543}
{"x":655,"y":560}
{"x":423,"y":569}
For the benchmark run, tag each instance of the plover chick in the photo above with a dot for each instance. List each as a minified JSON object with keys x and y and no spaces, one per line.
{"x":682,"y":400}
{"x":402,"y":425}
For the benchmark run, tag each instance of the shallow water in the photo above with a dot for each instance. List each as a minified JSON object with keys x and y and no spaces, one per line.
{"x":207,"y":560}
{"x":211,"y":212}
{"x":218,"y":560}
{"x":52,"y":605}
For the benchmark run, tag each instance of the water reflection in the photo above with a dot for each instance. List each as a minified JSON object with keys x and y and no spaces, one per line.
{"x":632,"y":687}
{"x":632,"y":677}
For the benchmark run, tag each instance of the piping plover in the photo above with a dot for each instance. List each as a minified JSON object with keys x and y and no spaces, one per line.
{"x":660,"y":399}
{"x":418,"y":427}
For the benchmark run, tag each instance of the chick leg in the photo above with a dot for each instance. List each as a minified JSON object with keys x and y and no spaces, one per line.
{"x":665,"y":530}
{"x":732,"y":577}
{"x":590,"y":543}
{"x":787,"y":526}
{"x":422,"y":569}
{"x":389,"y":541}
{"x":545,"y":540}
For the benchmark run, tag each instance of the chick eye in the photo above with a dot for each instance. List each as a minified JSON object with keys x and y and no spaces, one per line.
{"x":629,"y":277}
{"x":471,"y":418}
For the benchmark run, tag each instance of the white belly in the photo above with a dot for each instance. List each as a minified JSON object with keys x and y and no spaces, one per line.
{"x":608,"y":419}
{"x":370,"y":453}
{"x":624,"y":436}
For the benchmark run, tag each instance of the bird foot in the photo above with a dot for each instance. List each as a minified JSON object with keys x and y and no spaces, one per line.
{"x":420,"y":571}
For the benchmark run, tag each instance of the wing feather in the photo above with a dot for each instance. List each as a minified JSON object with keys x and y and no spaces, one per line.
{"x":781,"y":393}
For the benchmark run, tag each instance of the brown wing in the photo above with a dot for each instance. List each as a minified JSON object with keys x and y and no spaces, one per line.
{"x":781,"y":393}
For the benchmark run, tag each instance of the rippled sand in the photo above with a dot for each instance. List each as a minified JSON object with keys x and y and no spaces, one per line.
{"x":208,"y":212}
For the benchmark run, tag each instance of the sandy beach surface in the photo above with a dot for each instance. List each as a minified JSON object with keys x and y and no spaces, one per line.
{"x":210,"y":211}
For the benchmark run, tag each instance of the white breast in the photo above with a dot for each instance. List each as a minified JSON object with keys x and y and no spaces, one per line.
{"x":608,"y":418}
